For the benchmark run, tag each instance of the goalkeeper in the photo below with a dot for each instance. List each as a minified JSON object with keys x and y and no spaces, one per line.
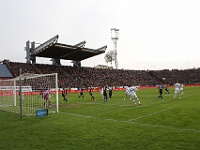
{"x":47,"y":97}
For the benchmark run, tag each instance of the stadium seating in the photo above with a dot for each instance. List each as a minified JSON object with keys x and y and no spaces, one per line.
{"x":69,"y":76}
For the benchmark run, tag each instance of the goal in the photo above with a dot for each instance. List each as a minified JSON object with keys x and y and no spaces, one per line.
{"x":31,"y":97}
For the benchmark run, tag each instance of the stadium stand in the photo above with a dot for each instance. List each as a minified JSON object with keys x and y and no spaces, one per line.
{"x":188,"y":76}
{"x":69,"y":76}
{"x":78,"y":76}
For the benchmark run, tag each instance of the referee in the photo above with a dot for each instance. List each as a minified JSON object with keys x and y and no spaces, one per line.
{"x":160,"y":89}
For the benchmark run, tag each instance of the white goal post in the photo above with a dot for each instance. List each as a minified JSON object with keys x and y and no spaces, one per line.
{"x":33,"y":87}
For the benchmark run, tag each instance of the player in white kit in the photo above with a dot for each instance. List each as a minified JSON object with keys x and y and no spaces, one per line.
{"x":101,"y":92}
{"x":127,"y":92}
{"x":177,"y":90}
{"x":133,"y":95}
{"x":181,"y":89}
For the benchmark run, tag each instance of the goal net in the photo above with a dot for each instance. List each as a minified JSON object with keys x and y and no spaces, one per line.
{"x":33,"y":88}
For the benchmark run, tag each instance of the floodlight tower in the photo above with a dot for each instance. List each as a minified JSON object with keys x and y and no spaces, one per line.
{"x":114,"y":37}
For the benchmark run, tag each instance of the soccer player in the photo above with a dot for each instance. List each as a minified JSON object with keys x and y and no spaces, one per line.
{"x":177,"y":90}
{"x":133,"y":95}
{"x":90,"y":92}
{"x":167,"y":91}
{"x":47,"y":97}
{"x":110,"y":92}
{"x":41,"y":94}
{"x":64,"y":95}
{"x":127,"y":92}
{"x":105,"y":96}
{"x":181,"y":88}
{"x":160,"y":89}
{"x":101,"y":92}
{"x":81,"y":93}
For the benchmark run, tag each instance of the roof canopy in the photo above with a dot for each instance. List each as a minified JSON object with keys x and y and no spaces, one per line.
{"x":52,"y":49}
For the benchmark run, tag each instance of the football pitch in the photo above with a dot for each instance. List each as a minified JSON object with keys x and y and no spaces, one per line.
{"x":83,"y":124}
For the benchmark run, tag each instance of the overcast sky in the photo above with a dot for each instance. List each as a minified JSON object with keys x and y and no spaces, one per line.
{"x":159,"y":34}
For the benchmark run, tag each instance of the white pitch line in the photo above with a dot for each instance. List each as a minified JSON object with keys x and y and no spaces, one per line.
{"x":162,"y":126}
{"x":130,"y":105}
{"x":103,"y":104}
{"x":131,"y":122}
{"x":149,"y":114}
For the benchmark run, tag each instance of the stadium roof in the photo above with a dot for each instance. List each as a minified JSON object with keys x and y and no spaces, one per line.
{"x":5,"y":72}
{"x":52,"y":49}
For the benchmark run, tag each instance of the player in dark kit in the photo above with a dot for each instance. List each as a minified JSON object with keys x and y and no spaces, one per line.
{"x":160,"y":88}
{"x":90,"y":92}
{"x":81,"y":93}
{"x":41,"y":94}
{"x":167,"y":91}
{"x":64,"y":95}
{"x":110,"y":92}
{"x":105,"y":96}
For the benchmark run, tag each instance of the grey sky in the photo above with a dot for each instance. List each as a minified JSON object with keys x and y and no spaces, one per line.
{"x":157,"y":34}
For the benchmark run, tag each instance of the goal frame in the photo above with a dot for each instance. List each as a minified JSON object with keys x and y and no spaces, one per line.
{"x":16,"y":84}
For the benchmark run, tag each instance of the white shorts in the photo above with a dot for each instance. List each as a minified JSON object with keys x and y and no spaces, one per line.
{"x":177,"y":90}
{"x":133,"y":95}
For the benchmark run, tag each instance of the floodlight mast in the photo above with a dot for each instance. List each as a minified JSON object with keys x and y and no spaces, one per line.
{"x":115,"y":37}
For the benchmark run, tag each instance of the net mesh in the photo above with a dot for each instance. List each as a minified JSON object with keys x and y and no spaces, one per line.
{"x":33,"y":87}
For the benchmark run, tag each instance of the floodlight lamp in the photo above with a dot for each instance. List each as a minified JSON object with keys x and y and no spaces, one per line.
{"x":114,"y":33}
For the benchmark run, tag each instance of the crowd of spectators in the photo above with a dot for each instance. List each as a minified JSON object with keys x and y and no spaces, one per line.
{"x":84,"y":77}
{"x":188,"y":76}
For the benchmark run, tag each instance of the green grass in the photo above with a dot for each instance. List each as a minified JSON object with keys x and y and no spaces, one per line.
{"x":84,"y":124}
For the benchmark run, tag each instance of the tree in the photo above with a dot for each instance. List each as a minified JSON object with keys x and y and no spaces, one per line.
{"x":109,"y":57}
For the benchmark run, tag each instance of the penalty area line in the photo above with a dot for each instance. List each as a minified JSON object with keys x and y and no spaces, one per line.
{"x":135,"y":123}
{"x":104,"y":103}
{"x":150,"y":114}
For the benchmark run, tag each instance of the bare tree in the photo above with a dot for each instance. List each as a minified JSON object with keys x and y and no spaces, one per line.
{"x":109,"y":57}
